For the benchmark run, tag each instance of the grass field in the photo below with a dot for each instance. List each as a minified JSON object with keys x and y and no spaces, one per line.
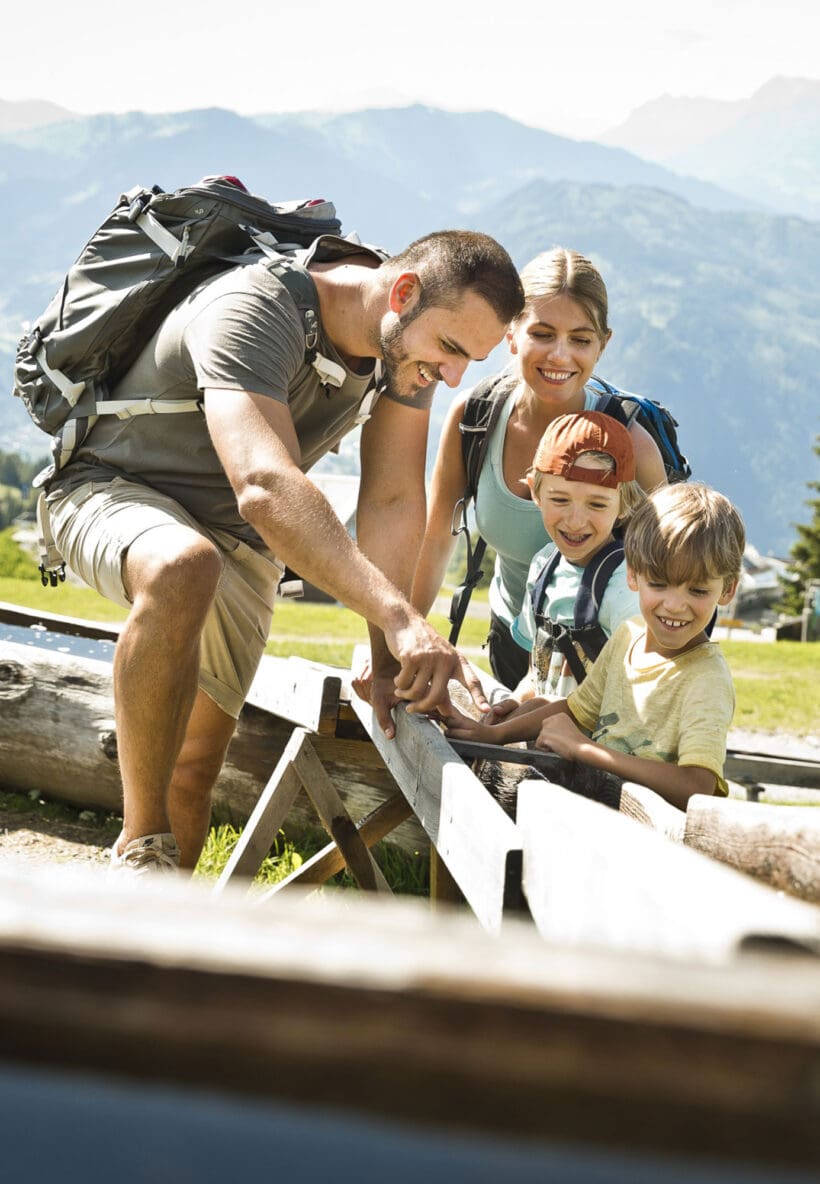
{"x":776,"y":684}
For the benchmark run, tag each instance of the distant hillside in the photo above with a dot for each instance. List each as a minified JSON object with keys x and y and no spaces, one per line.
{"x":766,"y":147}
{"x":715,"y":310}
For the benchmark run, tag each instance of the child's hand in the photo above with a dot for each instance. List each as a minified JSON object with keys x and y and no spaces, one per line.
{"x":499,"y":711}
{"x":458,"y":726}
{"x":560,"y":734}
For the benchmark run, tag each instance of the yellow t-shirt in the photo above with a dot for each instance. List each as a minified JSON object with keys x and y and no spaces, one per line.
{"x":665,"y":709}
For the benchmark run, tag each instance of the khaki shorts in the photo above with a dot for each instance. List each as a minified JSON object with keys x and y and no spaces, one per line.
{"x":95,"y":525}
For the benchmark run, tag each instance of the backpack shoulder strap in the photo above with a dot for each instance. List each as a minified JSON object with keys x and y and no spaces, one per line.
{"x":478,"y":419}
{"x":539,"y":588}
{"x":594,"y":581}
{"x":613,"y":402}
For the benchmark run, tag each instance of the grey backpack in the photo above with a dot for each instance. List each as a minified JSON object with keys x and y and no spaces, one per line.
{"x":152,"y":251}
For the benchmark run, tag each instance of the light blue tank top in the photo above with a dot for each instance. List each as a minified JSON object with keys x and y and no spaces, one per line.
{"x":512,"y":525}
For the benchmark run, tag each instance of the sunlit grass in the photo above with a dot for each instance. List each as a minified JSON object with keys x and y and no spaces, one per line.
{"x":776,"y":684}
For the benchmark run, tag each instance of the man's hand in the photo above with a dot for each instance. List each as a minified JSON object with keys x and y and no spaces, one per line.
{"x":427,"y":663}
{"x":560,"y":734}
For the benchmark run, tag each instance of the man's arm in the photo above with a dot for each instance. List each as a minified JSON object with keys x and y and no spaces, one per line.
{"x":675,"y":783}
{"x":390,"y":522}
{"x":256,"y":442}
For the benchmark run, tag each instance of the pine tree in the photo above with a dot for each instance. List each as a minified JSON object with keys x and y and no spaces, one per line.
{"x":805,"y":555}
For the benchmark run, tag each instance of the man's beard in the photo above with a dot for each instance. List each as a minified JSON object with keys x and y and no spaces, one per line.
{"x":395,"y":357}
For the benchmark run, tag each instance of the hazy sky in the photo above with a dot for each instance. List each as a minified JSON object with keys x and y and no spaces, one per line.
{"x":573,"y":68}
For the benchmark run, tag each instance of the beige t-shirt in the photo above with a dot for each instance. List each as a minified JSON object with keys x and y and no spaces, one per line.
{"x":667,"y":709}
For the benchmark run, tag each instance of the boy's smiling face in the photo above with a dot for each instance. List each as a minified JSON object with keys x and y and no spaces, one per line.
{"x":579,"y":516}
{"x":677,"y":615}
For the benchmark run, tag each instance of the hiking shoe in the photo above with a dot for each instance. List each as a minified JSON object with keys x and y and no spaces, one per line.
{"x":147,"y":854}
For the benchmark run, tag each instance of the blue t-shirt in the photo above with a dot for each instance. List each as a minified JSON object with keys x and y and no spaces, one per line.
{"x":552,"y":675}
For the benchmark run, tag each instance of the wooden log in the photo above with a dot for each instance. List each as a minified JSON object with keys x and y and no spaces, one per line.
{"x":383,"y":1009}
{"x":779,"y":845}
{"x":593,"y":877}
{"x":57,"y":737}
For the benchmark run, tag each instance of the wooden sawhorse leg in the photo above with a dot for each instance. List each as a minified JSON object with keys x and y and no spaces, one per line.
{"x":300,"y":768}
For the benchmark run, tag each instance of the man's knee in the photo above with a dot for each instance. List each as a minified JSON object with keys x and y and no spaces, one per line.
{"x":175,"y":568}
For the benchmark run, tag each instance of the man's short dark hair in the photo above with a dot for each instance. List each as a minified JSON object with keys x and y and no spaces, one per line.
{"x":449,"y":263}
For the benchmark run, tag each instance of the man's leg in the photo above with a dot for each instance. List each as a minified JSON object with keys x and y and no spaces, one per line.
{"x":200,"y":759}
{"x":200,"y":608}
{"x":171,"y":576}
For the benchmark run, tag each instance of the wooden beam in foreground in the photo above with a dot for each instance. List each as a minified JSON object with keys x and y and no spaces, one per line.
{"x":593,"y":877}
{"x":477,"y":841}
{"x":387,"y":1009}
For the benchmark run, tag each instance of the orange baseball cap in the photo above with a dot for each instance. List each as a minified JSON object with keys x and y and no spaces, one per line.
{"x":568,"y":437}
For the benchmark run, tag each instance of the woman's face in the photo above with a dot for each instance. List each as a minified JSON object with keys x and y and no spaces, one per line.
{"x":556,"y":347}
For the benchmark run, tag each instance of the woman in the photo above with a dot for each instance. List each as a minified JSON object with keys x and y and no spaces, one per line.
{"x":555,"y":345}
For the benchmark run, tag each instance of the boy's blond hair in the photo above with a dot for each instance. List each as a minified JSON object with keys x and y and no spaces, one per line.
{"x":686,"y":533}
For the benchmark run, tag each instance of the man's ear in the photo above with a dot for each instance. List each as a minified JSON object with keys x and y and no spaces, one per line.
{"x":728,"y":594}
{"x":404,"y":292}
{"x":630,"y":579}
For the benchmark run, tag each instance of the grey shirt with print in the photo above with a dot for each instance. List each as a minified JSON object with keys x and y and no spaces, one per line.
{"x":239,"y":331}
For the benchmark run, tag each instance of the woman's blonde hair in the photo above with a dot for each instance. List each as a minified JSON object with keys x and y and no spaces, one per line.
{"x":561,"y":272}
{"x":686,"y":533}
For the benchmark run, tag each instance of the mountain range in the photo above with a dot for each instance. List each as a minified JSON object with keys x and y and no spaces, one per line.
{"x":766,"y":147}
{"x":714,"y":299}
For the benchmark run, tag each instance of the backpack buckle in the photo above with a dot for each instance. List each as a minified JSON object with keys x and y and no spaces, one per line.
{"x":52,"y":575}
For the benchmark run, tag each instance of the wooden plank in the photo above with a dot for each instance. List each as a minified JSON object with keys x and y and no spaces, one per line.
{"x":13,"y":614}
{"x":327,"y":862}
{"x":436,"y":1022}
{"x":757,"y":767}
{"x":266,"y":821}
{"x":443,"y":888}
{"x":779,"y":845}
{"x":593,"y":877}
{"x":478,"y":842}
{"x":335,"y":818}
{"x":301,"y":692}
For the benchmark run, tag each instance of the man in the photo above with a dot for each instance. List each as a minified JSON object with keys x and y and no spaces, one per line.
{"x":189,"y":519}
